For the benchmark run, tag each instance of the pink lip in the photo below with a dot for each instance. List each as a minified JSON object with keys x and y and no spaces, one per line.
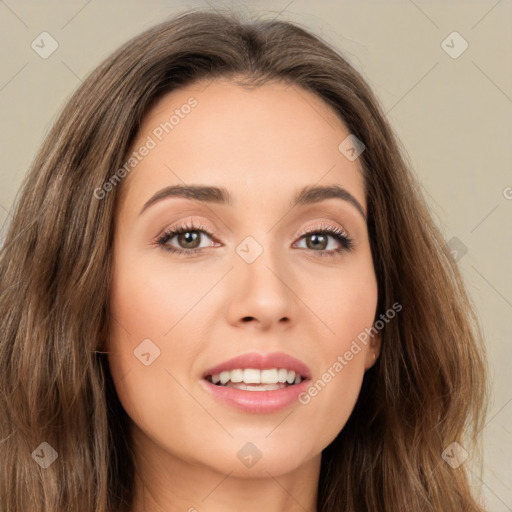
{"x":262,"y":362}
{"x":259,"y":401}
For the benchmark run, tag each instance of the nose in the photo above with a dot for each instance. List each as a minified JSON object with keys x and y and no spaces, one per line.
{"x":261,"y":292}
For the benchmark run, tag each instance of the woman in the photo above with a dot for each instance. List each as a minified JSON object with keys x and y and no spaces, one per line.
{"x":222,"y":289}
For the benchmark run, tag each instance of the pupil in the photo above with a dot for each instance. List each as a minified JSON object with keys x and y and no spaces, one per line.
{"x":315,"y":239}
{"x":189,"y":237}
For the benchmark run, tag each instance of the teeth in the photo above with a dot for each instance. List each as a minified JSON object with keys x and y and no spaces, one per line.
{"x":263,"y":378}
{"x":237,"y":375}
{"x":252,"y":376}
{"x":282,"y":375}
{"x":257,"y":387}
{"x":269,"y":376}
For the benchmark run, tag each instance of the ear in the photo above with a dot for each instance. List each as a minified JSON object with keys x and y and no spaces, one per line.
{"x":373,"y":351}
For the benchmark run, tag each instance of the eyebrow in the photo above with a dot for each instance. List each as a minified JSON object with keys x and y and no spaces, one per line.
{"x":220,"y":195}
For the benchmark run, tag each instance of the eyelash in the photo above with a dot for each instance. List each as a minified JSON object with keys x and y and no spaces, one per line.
{"x":341,"y":236}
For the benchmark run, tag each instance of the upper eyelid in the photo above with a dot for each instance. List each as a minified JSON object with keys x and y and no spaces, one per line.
{"x":323,"y":226}
{"x":199,"y":226}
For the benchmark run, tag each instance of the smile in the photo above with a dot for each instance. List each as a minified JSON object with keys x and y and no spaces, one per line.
{"x":258,"y":383}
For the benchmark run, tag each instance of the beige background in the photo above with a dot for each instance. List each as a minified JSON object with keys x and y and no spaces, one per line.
{"x":454,"y":117}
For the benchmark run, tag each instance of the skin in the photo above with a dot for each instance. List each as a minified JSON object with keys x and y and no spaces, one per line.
{"x":262,"y":144}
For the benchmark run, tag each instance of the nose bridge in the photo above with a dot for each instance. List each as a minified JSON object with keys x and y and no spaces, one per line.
{"x":260,"y":258}
{"x":262,"y":288}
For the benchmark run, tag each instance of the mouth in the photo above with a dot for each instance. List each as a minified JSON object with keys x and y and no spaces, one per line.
{"x":258,"y":383}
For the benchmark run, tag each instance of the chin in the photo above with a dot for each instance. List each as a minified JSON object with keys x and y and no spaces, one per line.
{"x":259,"y":458}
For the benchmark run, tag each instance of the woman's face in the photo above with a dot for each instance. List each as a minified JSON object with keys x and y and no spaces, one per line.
{"x":256,"y":274}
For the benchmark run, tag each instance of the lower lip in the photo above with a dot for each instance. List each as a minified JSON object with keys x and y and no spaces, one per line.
{"x":261,"y":402}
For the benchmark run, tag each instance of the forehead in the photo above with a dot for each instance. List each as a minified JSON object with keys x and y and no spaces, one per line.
{"x":270,"y":139}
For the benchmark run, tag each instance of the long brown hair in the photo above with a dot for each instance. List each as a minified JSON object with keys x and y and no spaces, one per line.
{"x":426,"y":391}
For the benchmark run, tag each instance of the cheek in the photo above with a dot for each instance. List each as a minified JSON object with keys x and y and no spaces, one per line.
{"x":147,"y":366}
{"x":137,"y":352}
{"x":345,"y":301}
{"x":155,"y":319}
{"x":137,"y":302}
{"x":154,"y":310}
{"x":147,"y":301}
{"x":347,"y":306}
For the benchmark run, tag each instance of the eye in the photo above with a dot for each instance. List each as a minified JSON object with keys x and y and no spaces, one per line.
{"x":317,"y":240}
{"x":188,"y":238}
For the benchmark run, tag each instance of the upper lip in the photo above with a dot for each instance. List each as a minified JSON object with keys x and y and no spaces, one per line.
{"x":261,"y":362}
